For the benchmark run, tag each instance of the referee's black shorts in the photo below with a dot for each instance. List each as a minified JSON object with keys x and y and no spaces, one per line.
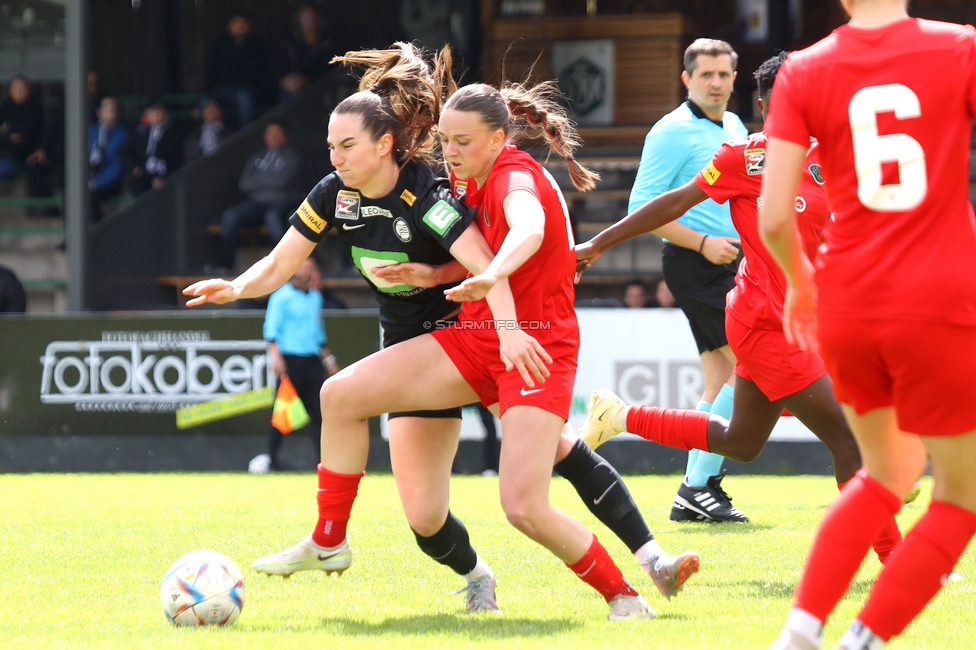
{"x":392,"y":338}
{"x":700,"y":287}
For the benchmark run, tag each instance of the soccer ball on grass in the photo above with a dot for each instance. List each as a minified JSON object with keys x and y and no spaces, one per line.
{"x":203,"y":588}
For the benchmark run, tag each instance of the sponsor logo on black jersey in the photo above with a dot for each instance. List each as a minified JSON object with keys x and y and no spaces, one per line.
{"x":373,"y":211}
{"x":347,"y":205}
{"x":402,"y":230}
{"x":441,"y":217}
{"x":408,"y":197}
{"x":755,"y":161}
{"x":311,"y":218}
{"x":817,"y":173}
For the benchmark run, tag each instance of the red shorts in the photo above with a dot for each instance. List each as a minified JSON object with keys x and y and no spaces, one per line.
{"x":926,"y":371}
{"x":765,"y":358}
{"x":481,"y":366}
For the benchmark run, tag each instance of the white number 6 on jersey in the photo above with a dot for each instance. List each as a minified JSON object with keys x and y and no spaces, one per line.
{"x":871,"y":149}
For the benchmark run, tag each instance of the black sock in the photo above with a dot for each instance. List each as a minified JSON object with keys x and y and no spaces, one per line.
{"x":605,"y":494}
{"x":450,"y":546}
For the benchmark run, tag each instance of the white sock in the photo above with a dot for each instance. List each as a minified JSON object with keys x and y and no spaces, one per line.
{"x":650,"y":553}
{"x":480,"y":571}
{"x":806,"y":625}
{"x":860,"y":637}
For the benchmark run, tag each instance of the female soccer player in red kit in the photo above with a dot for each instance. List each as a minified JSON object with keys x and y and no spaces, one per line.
{"x":770,"y":373}
{"x":894,"y":141}
{"x":527,"y":380}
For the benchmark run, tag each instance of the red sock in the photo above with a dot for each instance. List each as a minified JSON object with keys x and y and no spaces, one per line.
{"x":681,"y":428}
{"x":597,"y":569}
{"x":335,"y":497}
{"x":886,"y":541}
{"x":843,"y":539}
{"x":918,"y":569}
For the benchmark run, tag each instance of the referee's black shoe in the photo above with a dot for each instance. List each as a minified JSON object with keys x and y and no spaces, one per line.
{"x":709,"y":504}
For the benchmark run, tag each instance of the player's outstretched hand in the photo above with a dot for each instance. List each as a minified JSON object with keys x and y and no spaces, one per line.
{"x":720,"y":250}
{"x":412,"y":273}
{"x":520,"y":351}
{"x":586,"y":255}
{"x":474,"y":288}
{"x":800,"y":316}
{"x":217,"y":291}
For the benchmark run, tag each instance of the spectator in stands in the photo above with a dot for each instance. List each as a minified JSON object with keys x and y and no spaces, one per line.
{"x":274,"y":184}
{"x":239,"y":69}
{"x":297,"y":349}
{"x":211,"y":133}
{"x":663,"y":296}
{"x":635,"y":296}
{"x":107,"y":142}
{"x":157,"y":150}
{"x":47,"y":160}
{"x":21,"y":124}
{"x":13,"y":300}
{"x":308,"y":54}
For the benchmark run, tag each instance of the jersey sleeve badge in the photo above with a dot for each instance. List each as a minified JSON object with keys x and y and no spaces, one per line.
{"x":311,"y":218}
{"x":347,"y":205}
{"x":817,"y":172}
{"x":710,"y":173}
{"x":755,"y":161}
{"x":441,"y":217}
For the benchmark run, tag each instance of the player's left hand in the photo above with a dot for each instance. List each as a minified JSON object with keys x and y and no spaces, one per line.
{"x":521,"y":351}
{"x":412,"y":273}
{"x":474,"y":288}
{"x":217,"y":291}
{"x":800,"y":316}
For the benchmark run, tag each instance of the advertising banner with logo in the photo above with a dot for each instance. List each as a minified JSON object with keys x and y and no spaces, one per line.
{"x":128,"y":375}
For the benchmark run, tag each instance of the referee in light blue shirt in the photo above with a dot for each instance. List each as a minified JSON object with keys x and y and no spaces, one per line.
{"x":297,"y":349}
{"x":700,"y":254}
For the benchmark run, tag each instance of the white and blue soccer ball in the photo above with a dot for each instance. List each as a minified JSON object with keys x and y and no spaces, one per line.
{"x":203,"y":588}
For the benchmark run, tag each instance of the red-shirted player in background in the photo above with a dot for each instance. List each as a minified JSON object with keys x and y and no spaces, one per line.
{"x":894,"y":140}
{"x":770,"y":372}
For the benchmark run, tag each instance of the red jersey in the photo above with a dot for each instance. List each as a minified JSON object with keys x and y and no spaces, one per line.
{"x":894,"y":133}
{"x":735,"y":174}
{"x":543,"y":285}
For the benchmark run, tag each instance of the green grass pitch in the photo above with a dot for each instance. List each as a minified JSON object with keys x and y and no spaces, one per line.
{"x":83,"y":557}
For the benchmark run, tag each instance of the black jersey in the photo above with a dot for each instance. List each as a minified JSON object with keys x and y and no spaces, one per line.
{"x":418,"y":221}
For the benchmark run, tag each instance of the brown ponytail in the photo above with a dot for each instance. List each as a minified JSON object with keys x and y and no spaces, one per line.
{"x":527,"y":112}
{"x":400,"y":93}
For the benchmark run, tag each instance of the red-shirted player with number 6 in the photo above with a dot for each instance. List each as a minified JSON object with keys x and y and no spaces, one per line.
{"x":894,"y":141}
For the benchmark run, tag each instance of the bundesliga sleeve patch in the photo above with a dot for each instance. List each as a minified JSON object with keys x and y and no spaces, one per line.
{"x":755,"y":161}
{"x":710,"y":173}
{"x":441,"y":217}
{"x":311,"y":218}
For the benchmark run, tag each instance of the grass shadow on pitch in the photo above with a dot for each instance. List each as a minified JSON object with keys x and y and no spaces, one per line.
{"x":474,"y":627}
{"x":784,"y":589}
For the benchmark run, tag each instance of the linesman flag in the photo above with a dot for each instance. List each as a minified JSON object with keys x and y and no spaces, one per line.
{"x":289,"y":412}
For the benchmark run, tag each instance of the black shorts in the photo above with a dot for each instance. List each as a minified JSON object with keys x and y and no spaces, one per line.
{"x":700,"y":288}
{"x":392,"y":338}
